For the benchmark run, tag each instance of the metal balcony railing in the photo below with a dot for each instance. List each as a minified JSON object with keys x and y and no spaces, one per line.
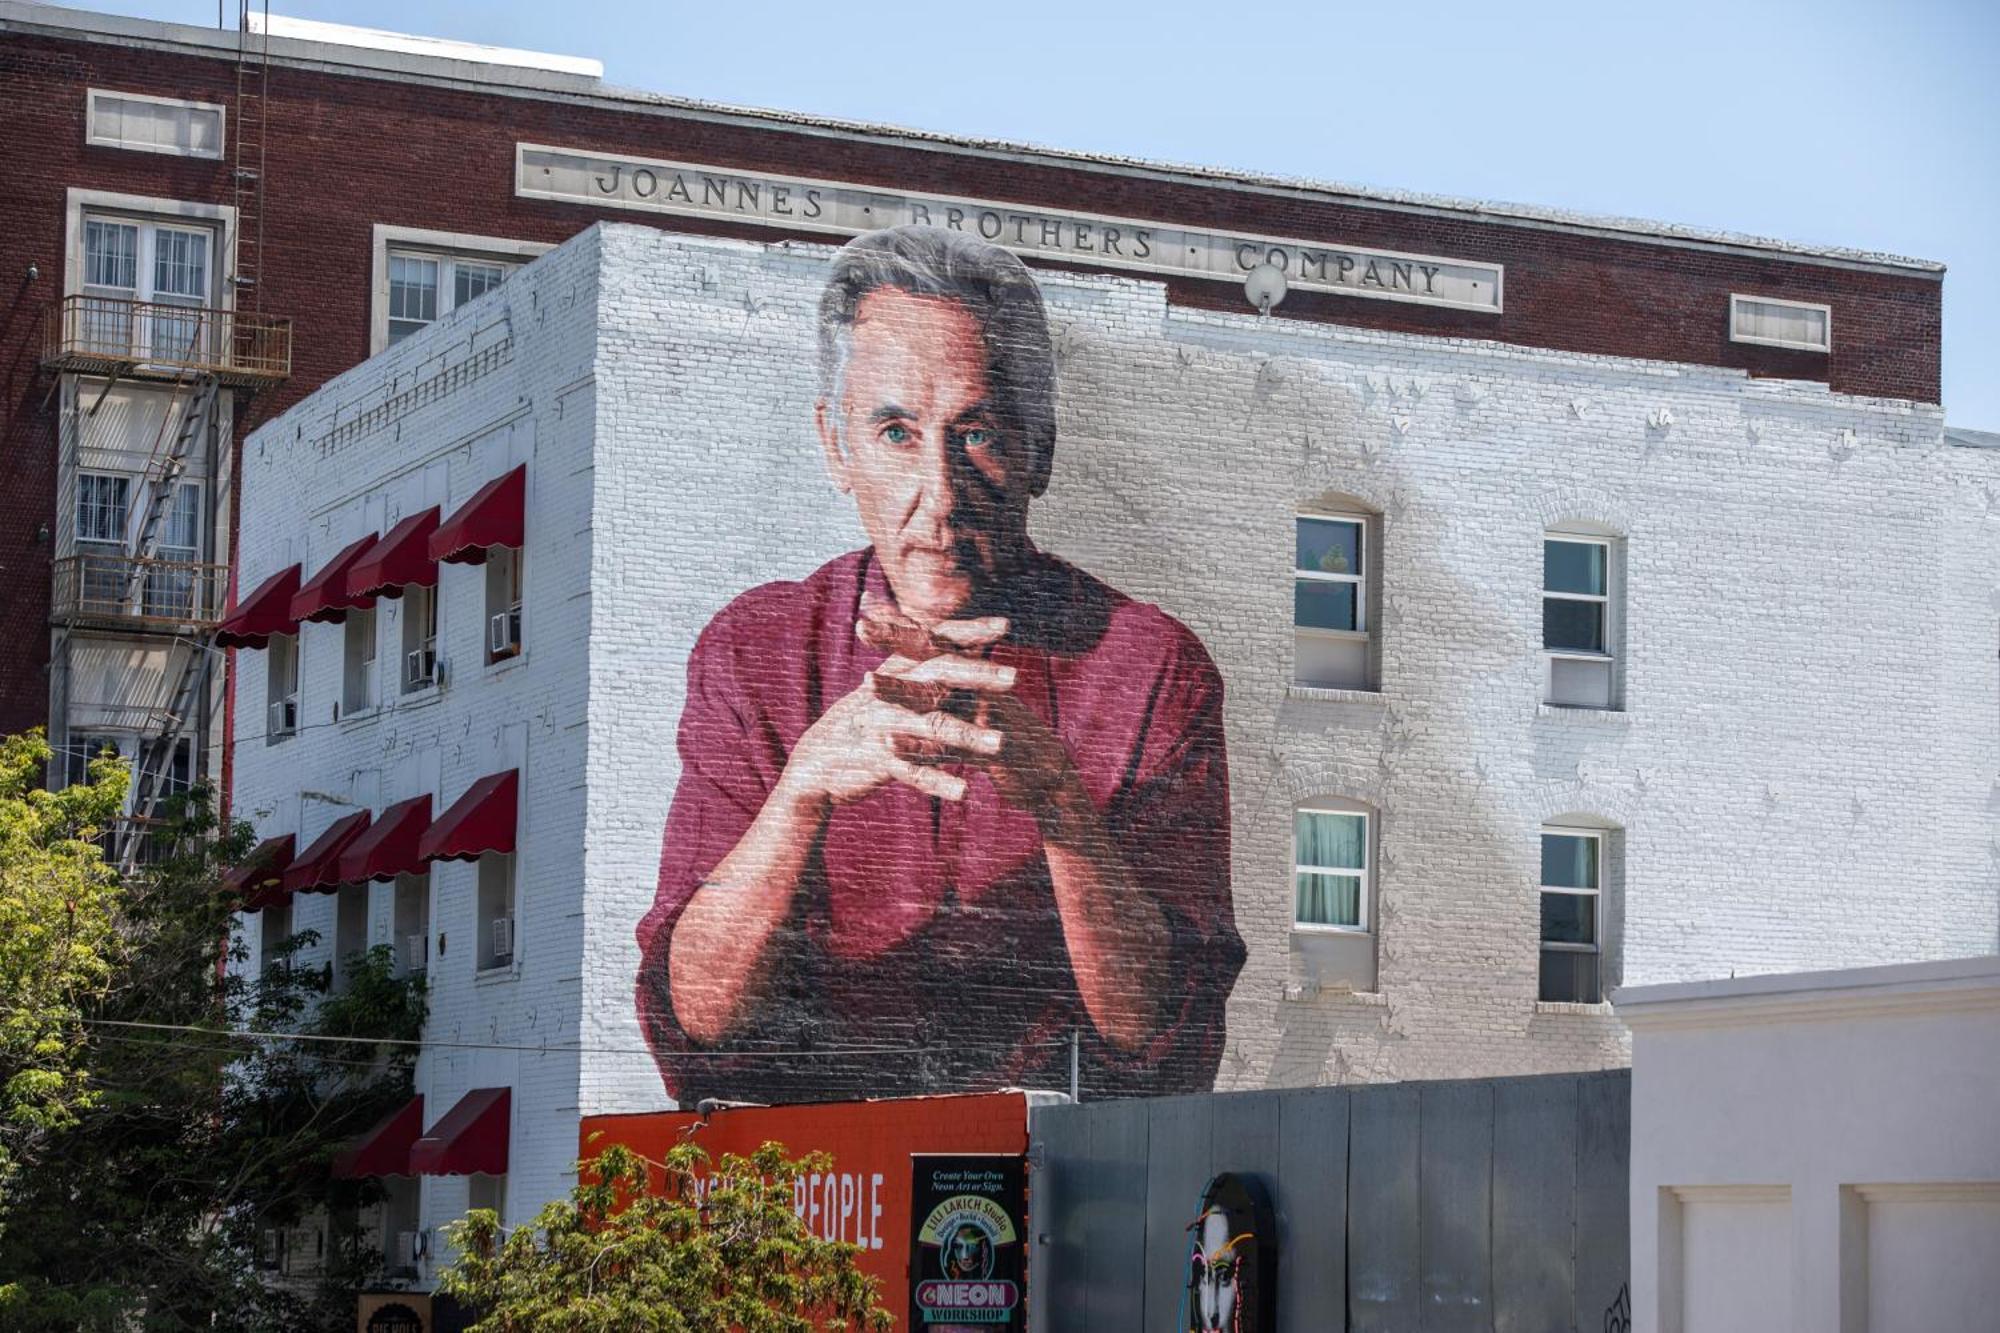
{"x":133,"y":593}
{"x":110,"y":335}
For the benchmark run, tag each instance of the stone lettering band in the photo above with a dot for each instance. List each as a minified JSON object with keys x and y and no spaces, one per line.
{"x":686,"y":189}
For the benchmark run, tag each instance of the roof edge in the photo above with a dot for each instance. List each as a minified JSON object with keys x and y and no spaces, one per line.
{"x":523,"y":81}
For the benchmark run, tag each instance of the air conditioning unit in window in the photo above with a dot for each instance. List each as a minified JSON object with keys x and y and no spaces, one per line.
{"x":411,"y":1247}
{"x":285,"y":716}
{"x":416,"y":952}
{"x":503,"y":633}
{"x":420,"y":668}
{"x":503,"y":938}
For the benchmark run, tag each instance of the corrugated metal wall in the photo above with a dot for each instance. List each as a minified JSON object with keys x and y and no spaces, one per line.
{"x":1493,"y":1204}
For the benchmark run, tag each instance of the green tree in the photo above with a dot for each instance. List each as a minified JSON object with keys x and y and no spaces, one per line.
{"x":196,"y":1136}
{"x":57,"y":947}
{"x":681,"y":1246}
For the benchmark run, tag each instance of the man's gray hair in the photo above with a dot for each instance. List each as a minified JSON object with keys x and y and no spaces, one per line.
{"x":993,"y":285}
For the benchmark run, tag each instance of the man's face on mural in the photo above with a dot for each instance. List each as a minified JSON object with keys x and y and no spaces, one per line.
{"x":918,"y":437}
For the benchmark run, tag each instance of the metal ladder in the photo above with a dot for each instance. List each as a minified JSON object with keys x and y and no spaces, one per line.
{"x":163,"y":474}
{"x":252,"y":90}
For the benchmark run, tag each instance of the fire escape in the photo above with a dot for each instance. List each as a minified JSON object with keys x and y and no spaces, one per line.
{"x":200,"y":354}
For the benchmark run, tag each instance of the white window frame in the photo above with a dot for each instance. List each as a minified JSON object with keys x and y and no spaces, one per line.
{"x":277,"y":691}
{"x":1365,"y":903}
{"x":1359,"y":581}
{"x":95,"y":97}
{"x":151,"y":210}
{"x":444,"y":245}
{"x":1737,"y":302}
{"x":124,"y":537}
{"x":1596,"y":946}
{"x":1362,"y":583}
{"x":1609,"y":600}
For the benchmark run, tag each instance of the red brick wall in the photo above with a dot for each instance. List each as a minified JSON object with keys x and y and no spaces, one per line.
{"x":349,"y":152}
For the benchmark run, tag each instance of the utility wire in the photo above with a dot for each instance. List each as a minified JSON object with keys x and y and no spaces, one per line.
{"x":255,"y":1035}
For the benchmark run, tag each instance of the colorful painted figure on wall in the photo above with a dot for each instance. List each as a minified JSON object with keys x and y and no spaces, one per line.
{"x":948,"y":799}
{"x":1231,"y":1280}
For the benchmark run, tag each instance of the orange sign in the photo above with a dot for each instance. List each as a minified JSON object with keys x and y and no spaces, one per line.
{"x":865,"y":1198}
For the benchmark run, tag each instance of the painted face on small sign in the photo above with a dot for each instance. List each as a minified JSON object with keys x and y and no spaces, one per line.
{"x":1232,"y":1262}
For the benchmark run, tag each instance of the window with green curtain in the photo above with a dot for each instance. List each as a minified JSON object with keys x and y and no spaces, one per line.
{"x":1330,"y":867}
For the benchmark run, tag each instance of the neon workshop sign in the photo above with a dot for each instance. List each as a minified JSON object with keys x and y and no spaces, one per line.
{"x":836,"y":208}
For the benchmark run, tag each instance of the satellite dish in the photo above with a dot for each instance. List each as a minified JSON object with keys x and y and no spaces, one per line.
{"x":1265,"y":286}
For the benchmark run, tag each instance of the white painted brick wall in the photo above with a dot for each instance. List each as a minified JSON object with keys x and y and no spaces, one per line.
{"x":1806,"y":771}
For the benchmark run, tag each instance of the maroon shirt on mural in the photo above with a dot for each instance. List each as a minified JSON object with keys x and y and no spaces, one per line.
{"x":926,"y":935}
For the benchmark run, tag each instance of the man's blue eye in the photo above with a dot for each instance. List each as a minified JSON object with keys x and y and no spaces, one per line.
{"x":896,"y":434}
{"x":977,"y":438}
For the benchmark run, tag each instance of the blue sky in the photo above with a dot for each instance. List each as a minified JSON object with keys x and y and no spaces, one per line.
{"x":1871,"y":125}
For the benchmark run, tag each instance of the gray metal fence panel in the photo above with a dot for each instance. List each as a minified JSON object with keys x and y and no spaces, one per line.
{"x":1182,"y":1130}
{"x":1603,"y":1194}
{"x":1383,"y":1279}
{"x":1534,"y":1198}
{"x":1455,"y":1206}
{"x":1058,"y":1260}
{"x":1311,"y":1202}
{"x":1496,"y":1204}
{"x":1115,"y":1236}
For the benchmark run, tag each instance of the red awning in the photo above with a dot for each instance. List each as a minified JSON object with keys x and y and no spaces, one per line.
{"x":263,"y":869}
{"x":471,"y":1138}
{"x":494,"y":516}
{"x":400,"y":559}
{"x":478,"y":822}
{"x":385,"y":1149}
{"x":318,"y":867}
{"x":389,"y":846}
{"x":325,"y":597}
{"x":265,"y":612}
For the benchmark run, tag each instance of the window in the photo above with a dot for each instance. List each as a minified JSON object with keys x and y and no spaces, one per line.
{"x":350,"y":933}
{"x":274,"y":927}
{"x":420,"y":634}
{"x":357,"y":694}
{"x":496,"y":910}
{"x":1330,"y":601}
{"x":1577,"y":623}
{"x":503,"y":603}
{"x":1572,"y":926}
{"x":423,"y":288}
{"x":401,"y":1196}
{"x":484,"y":1191}
{"x":413,"y":924}
{"x":281,"y":688}
{"x":1330,"y":858}
{"x":126,"y":260}
{"x":170,"y":588}
{"x":1768,"y":322}
{"x":83,"y":748}
{"x":102,"y":506}
{"x":155,"y":124}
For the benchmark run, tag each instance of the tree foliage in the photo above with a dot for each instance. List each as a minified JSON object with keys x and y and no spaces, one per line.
{"x":189,"y":1140}
{"x":57,"y":902}
{"x":681,"y":1246}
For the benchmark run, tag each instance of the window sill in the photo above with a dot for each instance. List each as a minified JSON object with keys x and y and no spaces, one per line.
{"x":1329,"y":694}
{"x":1364,"y":999}
{"x":1587,"y":712}
{"x":430,"y":694}
{"x":1602,"y":1009}
{"x":1316,"y":928}
{"x":348,"y":720}
{"x":498,"y":973}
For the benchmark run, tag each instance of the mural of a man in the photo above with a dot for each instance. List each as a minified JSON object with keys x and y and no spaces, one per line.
{"x":948,"y":799}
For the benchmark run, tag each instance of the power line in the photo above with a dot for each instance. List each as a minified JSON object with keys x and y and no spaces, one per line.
{"x":248,"y":1034}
